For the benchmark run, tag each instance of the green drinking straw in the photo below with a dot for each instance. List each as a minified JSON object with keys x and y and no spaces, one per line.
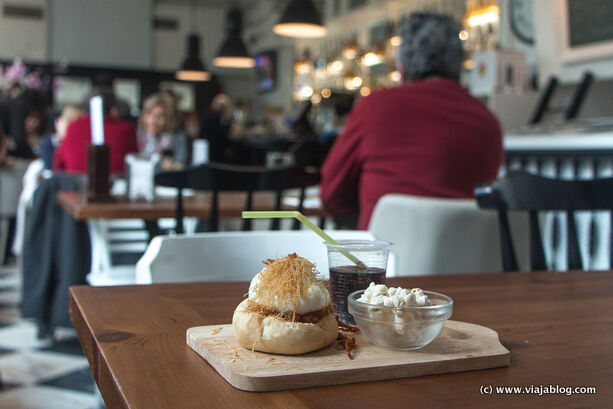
{"x":302,"y":219}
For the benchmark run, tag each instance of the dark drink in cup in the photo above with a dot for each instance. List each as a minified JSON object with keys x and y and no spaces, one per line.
{"x":354,"y":264}
{"x":346,"y":279}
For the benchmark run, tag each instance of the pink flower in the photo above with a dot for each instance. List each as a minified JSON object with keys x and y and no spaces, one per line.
{"x":16,"y":71}
{"x":33,"y":81}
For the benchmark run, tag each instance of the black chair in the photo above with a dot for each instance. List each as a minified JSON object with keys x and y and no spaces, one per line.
{"x":572,"y":111}
{"x":217,"y":177}
{"x":522,"y":191}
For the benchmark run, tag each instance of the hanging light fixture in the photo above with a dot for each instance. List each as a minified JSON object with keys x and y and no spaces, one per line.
{"x":304,"y":64}
{"x":484,"y":15}
{"x":233,"y":52}
{"x":351,"y":49}
{"x":192,"y":68}
{"x":300,"y":19}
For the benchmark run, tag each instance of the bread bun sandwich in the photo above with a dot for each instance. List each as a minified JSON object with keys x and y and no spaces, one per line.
{"x":288,"y":310}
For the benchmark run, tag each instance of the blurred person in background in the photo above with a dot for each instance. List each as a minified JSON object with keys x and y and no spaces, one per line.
{"x":51,"y":141}
{"x":427,"y":137}
{"x":24,"y":118}
{"x":159,"y":130}
{"x":215,"y":127}
{"x":71,"y":155}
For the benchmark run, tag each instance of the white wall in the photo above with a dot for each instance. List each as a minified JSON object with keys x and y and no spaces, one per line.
{"x":109,"y":32}
{"x":23,"y":37}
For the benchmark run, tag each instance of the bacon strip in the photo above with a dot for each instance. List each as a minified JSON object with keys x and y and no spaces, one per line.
{"x":347,"y":342}
{"x":346,"y":327}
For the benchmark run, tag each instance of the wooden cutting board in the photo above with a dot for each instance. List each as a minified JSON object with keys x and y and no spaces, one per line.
{"x":459,"y":347}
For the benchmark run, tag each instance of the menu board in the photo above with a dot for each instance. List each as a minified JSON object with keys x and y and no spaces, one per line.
{"x":589,"y":22}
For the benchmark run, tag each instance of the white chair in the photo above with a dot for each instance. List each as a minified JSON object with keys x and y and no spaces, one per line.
{"x":232,"y":256}
{"x":115,"y":239}
{"x":116,"y":245}
{"x":441,"y":236}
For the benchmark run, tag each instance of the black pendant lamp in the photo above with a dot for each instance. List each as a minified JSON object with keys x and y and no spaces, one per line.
{"x":233,"y":52}
{"x":301,"y":20}
{"x":192,"y":68}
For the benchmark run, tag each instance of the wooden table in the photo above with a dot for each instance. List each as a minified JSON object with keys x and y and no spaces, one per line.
{"x":558,"y":327}
{"x":96,"y":215}
{"x":199,"y":205}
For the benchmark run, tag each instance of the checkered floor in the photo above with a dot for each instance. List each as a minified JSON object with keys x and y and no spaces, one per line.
{"x":39,"y":374}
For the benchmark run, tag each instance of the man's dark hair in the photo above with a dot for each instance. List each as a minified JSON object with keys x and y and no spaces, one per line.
{"x":109,"y":101}
{"x":430,"y":46}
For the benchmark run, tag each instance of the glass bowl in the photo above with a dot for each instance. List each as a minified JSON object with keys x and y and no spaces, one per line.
{"x":396,"y":328}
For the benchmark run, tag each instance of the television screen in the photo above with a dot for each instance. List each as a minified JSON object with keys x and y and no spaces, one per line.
{"x":266,"y":71}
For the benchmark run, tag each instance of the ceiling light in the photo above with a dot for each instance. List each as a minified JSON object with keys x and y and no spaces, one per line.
{"x":300,"y":19}
{"x":233,"y":52}
{"x":371,"y":59}
{"x":483,"y":16}
{"x":335,"y":67}
{"x":395,"y":76}
{"x":353,"y":83}
{"x":396,"y":40}
{"x":193,"y":68}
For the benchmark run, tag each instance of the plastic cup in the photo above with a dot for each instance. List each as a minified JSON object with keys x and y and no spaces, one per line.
{"x":347,"y":277}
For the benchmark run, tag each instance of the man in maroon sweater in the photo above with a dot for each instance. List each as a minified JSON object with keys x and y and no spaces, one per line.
{"x":71,"y":155}
{"x":427,"y":137}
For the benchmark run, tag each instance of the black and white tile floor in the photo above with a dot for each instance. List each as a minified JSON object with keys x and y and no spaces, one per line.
{"x":39,"y":374}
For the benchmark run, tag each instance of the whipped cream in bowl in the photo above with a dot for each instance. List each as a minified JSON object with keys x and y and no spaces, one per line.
{"x":399,"y":318}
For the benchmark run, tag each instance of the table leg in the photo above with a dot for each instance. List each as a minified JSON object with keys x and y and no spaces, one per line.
{"x":101,"y":254}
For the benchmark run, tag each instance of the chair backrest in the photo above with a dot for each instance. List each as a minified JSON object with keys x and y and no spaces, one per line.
{"x":217,"y":177}
{"x":437,"y":235}
{"x":231,"y":256}
{"x":523,"y":191}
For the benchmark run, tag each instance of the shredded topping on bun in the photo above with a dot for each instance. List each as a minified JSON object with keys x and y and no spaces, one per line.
{"x":284,"y":282}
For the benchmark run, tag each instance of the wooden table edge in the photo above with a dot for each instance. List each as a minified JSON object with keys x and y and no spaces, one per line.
{"x":66,"y":201}
{"x":113,"y":398}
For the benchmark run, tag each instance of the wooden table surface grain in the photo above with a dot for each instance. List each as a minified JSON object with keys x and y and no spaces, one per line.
{"x":198,"y":205}
{"x":558,"y":327}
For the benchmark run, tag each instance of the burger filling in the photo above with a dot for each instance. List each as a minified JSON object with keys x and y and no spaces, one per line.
{"x":309,"y":317}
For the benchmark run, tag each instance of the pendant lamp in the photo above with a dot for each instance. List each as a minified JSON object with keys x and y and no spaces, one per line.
{"x":192,"y":68}
{"x":300,"y":20}
{"x":233,"y":52}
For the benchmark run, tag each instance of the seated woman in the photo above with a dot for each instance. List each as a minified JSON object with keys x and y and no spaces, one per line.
{"x":158,"y":131}
{"x":427,"y":137}
{"x":71,"y":155}
{"x":52,"y":141}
